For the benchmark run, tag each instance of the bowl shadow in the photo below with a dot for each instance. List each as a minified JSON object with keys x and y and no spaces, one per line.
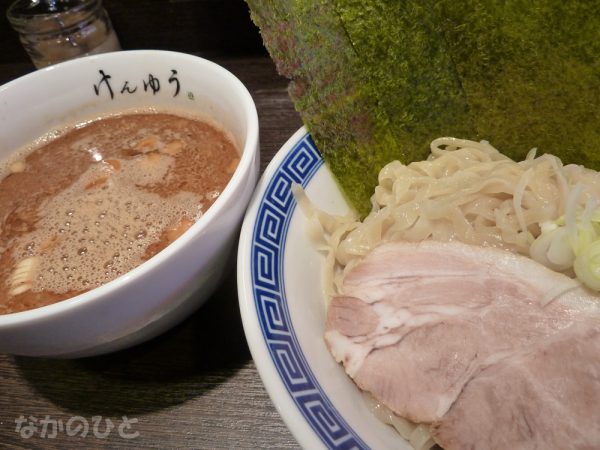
{"x":194,"y":357}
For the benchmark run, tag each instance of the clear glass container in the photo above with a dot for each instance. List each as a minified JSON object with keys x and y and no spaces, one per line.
{"x":52,"y":31}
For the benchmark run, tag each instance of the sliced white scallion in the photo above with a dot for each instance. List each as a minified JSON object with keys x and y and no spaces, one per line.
{"x":572,"y":241}
{"x":587,"y":265}
{"x":553,"y":249}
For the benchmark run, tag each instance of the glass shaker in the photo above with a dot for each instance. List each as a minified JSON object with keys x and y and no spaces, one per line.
{"x":52,"y":31}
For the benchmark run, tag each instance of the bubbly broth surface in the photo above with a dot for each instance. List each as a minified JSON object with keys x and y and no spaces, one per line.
{"x":100,"y":199}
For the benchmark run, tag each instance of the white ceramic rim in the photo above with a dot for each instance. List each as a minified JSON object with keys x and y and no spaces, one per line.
{"x":260,"y":354}
{"x":244,"y":166}
{"x":307,"y":428}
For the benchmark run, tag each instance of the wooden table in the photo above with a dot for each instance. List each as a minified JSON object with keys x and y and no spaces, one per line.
{"x":194,"y":387}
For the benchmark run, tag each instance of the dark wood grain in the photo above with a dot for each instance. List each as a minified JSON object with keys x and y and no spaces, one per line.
{"x":195,"y":386}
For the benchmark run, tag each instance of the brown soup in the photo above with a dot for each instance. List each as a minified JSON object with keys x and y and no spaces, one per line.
{"x":100,"y":199}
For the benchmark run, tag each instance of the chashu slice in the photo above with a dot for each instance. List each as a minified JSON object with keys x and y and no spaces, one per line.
{"x":417,"y":321}
{"x":547,"y":397}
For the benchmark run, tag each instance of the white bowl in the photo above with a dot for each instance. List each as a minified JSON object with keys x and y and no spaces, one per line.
{"x":282,"y":300}
{"x":168,"y":287}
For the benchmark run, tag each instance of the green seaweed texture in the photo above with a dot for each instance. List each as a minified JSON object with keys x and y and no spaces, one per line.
{"x":377,"y":80}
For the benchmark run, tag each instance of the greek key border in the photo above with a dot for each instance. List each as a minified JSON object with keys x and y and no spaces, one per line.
{"x":267,"y":250}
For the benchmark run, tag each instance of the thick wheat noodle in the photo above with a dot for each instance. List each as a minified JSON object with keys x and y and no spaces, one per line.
{"x":465,"y":190}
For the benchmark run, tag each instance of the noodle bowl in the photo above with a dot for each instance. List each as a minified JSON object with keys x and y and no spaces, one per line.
{"x":466,"y":191}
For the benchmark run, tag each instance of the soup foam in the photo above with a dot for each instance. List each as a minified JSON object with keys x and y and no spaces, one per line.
{"x":97,"y":201}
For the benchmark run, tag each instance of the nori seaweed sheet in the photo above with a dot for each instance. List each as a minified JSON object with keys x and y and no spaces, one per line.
{"x":377,"y":80}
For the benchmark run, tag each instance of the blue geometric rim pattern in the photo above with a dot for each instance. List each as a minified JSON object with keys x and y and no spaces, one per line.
{"x":267,"y":250}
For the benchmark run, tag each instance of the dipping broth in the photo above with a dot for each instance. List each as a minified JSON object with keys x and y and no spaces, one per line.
{"x":87,"y":205}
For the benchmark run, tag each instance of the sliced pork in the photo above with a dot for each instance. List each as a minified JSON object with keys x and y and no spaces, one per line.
{"x":417,"y":322}
{"x":547,"y":398}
